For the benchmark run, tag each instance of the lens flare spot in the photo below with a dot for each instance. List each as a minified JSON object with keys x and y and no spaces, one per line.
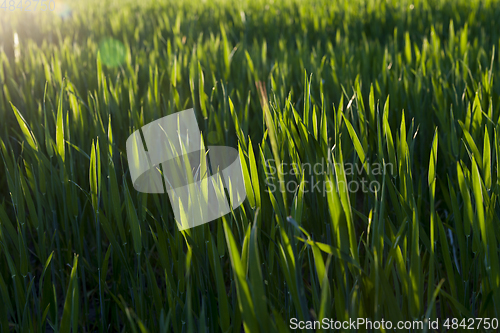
{"x":61,"y":9}
{"x":112,"y":52}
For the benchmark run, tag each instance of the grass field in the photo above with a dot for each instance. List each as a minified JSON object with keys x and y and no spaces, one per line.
{"x":413,"y":85}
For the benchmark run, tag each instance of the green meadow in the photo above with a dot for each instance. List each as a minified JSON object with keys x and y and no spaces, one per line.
{"x":412,"y":85}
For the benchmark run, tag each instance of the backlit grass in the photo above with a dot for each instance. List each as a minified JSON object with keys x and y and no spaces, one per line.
{"x":410,"y":84}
